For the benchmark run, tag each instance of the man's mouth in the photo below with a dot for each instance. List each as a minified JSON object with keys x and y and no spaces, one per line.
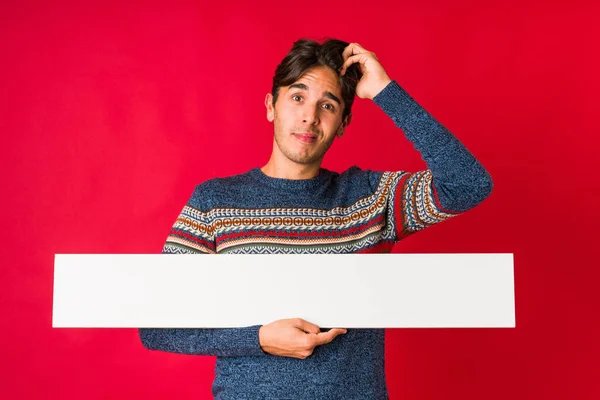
{"x":306,"y":137}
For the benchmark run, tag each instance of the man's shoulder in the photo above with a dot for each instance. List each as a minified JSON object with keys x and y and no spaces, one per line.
{"x":224,"y":182}
{"x":374,"y":179}
{"x":208,"y":192}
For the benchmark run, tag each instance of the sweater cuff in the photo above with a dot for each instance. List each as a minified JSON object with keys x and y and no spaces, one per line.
{"x":395,"y":101}
{"x":248,"y":344}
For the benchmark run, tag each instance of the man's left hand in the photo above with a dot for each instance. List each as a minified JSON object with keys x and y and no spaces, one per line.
{"x":374,"y":78}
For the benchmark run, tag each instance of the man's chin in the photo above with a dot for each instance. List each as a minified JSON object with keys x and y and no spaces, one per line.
{"x":308,"y":160}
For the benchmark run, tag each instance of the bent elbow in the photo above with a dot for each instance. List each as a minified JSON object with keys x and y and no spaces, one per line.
{"x":485,"y":186}
{"x":463,"y":196}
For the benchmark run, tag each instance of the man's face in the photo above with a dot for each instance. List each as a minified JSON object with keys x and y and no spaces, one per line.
{"x":307,"y":116}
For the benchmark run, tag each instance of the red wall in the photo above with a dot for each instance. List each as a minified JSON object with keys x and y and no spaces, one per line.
{"x":111,"y":115}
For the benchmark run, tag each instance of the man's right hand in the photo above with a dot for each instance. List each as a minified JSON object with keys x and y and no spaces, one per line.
{"x":294,"y":337}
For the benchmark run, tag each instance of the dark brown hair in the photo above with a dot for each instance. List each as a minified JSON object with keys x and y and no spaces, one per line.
{"x":307,"y":53}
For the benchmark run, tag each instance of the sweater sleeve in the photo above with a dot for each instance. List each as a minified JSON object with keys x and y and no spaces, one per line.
{"x":454,"y":182}
{"x":192,"y":233}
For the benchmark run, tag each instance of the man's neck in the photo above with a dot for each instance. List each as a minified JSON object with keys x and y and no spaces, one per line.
{"x":290,"y":170}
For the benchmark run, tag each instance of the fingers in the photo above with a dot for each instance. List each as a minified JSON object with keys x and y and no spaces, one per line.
{"x":353,"y":53}
{"x":312,"y":341}
{"x":306,"y":326}
{"x":327,"y":337}
{"x":293,"y":337}
{"x":352,"y":48}
{"x":351,"y":60}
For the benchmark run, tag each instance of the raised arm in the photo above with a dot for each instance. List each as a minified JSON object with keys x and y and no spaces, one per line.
{"x":455,"y":180}
{"x":459,"y":180}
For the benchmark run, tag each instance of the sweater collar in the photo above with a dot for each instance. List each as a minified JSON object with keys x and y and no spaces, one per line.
{"x":292,"y":184}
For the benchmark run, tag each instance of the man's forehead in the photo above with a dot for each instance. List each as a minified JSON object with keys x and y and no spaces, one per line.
{"x":321,"y":82}
{"x":321,"y":77}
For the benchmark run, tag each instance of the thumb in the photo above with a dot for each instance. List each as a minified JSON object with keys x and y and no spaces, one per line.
{"x":306,"y":326}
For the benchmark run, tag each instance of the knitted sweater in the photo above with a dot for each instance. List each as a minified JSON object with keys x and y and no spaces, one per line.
{"x":357,"y":211}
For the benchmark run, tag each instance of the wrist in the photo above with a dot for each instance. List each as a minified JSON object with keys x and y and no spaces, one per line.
{"x":380,"y":86}
{"x":260,"y":337}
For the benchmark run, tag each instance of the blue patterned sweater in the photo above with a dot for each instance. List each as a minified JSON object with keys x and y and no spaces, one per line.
{"x":357,"y":211}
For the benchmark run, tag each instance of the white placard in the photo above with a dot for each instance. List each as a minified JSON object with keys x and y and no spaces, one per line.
{"x":330,"y":290}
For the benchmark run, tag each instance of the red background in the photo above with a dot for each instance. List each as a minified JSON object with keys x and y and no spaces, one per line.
{"x":110,"y":115}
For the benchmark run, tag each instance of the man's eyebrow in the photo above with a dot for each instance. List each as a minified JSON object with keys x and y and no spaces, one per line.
{"x":328,"y":94}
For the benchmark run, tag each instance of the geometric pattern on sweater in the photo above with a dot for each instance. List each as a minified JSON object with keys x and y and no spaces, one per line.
{"x":402,"y":204}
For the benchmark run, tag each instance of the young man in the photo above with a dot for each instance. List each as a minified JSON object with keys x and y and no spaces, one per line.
{"x":292,"y":205}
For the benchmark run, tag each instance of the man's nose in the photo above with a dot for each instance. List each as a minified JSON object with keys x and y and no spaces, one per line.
{"x":311,"y":115}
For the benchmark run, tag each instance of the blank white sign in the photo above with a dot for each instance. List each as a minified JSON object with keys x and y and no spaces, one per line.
{"x":333,"y":290}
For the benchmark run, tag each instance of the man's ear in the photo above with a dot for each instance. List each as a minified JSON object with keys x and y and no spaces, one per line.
{"x":345,"y":123}
{"x":269,"y":106}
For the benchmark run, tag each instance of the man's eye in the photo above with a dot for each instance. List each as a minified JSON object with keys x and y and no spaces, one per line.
{"x":329,"y":106}
{"x":296,"y":96}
